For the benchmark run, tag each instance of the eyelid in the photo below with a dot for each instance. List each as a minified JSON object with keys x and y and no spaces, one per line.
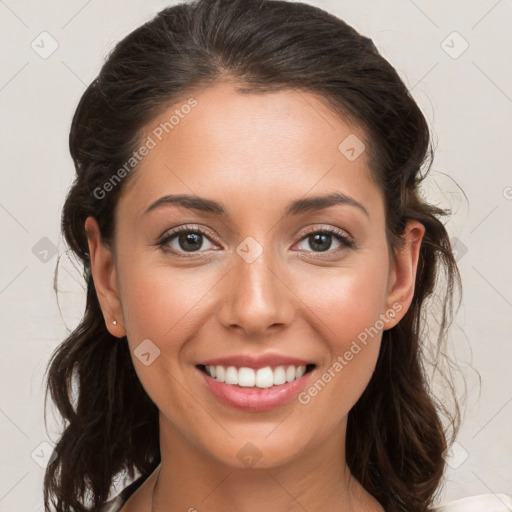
{"x":186,"y":227}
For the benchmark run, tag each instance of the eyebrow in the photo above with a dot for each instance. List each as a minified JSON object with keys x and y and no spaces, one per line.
{"x":308,"y":204}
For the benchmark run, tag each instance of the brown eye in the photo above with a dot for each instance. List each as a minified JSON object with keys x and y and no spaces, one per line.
{"x":184,"y":240}
{"x":321,"y":240}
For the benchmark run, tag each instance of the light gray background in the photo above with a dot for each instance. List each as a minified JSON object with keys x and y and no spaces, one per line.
{"x":467,"y":99}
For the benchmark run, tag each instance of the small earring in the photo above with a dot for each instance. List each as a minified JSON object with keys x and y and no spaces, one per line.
{"x":114,"y":322}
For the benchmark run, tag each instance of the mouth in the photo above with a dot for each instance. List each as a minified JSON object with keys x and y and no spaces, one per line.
{"x":255,"y":389}
{"x":255,"y":382}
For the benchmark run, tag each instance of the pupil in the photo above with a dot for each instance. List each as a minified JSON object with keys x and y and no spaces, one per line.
{"x":319,"y":238}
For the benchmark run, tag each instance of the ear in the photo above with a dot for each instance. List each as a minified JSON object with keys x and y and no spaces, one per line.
{"x":103,"y":272}
{"x":402,"y":275}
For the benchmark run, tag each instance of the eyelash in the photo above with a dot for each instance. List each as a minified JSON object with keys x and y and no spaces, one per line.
{"x":338,"y":234}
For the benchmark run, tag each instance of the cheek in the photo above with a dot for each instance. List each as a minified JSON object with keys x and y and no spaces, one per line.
{"x":346,"y":311}
{"x":164,"y":306}
{"x":160,"y":303}
{"x":346,"y":301}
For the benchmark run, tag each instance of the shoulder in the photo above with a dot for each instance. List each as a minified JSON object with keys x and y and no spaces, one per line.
{"x":480,"y":503}
{"x":115,"y":504}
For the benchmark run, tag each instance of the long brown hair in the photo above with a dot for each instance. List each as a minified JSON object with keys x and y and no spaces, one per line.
{"x":395,"y":436}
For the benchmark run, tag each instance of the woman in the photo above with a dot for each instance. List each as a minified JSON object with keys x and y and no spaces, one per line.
{"x":258,"y":259}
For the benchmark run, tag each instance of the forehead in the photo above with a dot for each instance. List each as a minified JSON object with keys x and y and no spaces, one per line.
{"x":269,"y":146}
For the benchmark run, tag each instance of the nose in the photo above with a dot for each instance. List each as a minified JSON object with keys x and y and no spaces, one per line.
{"x":256,"y":297}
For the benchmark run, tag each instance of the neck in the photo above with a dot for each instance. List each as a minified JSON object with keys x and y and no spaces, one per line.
{"x":187,"y":480}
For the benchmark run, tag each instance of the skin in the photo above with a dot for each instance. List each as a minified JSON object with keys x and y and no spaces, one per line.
{"x":255,"y":154}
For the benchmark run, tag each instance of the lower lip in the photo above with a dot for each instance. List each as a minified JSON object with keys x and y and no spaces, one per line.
{"x":255,"y":400}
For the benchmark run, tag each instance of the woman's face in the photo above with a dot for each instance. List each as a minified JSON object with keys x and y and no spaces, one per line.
{"x":256,"y":281}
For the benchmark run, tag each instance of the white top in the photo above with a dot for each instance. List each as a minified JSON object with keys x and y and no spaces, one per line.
{"x":480,"y":503}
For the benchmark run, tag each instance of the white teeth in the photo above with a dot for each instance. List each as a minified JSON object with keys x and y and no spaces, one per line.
{"x":301,"y":370}
{"x":246,"y":377}
{"x":279,"y":376}
{"x":290,"y":373}
{"x":219,"y":373}
{"x":231,"y":376}
{"x":265,"y":377}
{"x":261,"y":378}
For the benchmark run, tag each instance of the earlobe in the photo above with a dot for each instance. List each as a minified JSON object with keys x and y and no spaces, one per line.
{"x":404,"y":269}
{"x":103,"y":272}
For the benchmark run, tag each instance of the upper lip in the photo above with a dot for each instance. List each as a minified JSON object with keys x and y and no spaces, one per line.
{"x":251,"y":361}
